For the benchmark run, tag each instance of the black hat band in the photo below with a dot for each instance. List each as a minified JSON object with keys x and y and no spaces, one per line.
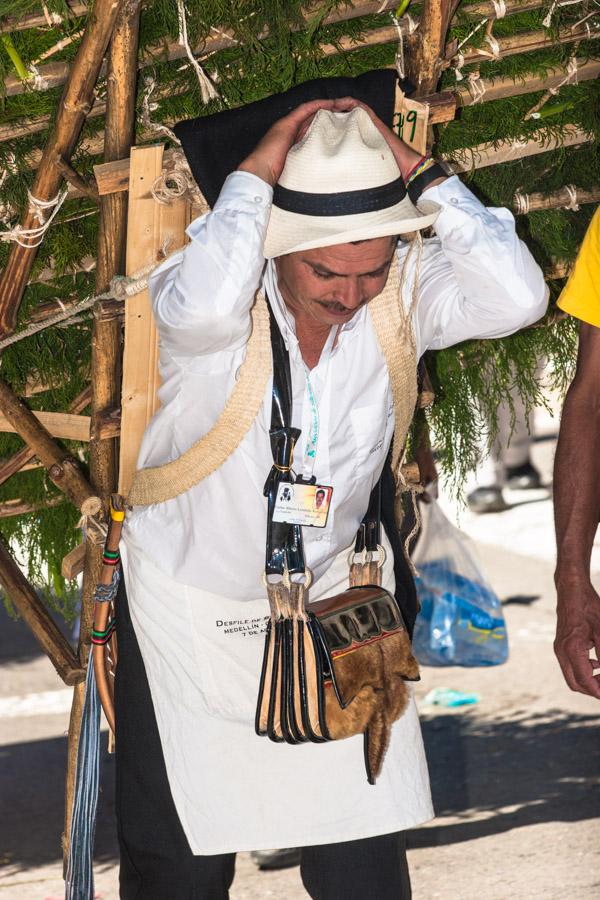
{"x":344,"y":203}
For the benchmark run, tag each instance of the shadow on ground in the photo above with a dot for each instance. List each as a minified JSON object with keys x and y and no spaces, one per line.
{"x":32,"y":778}
{"x":546,"y":768}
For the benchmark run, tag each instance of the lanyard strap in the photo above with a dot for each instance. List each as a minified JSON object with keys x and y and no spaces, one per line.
{"x":284,"y":542}
{"x":285,"y":549}
{"x":312,"y":439}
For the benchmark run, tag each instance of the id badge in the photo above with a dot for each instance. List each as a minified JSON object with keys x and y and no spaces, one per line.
{"x":302,"y":504}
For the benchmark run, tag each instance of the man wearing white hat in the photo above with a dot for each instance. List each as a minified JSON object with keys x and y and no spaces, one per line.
{"x":323,"y":197}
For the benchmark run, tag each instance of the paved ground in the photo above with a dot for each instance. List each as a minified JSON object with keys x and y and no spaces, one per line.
{"x":515,"y":778}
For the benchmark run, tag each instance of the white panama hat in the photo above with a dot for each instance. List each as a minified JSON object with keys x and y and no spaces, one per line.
{"x":341,"y":183}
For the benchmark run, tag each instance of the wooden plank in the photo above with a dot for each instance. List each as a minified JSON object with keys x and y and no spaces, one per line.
{"x":72,"y":564}
{"x":66,"y":426}
{"x":150,"y":224}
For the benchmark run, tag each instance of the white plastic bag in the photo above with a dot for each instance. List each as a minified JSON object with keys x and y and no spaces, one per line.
{"x":460,"y":622}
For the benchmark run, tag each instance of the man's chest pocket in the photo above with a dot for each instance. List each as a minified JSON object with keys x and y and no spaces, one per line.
{"x":369,"y":428}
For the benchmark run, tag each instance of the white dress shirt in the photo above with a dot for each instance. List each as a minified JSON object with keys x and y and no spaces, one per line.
{"x":477,"y":279}
{"x":193,"y":564}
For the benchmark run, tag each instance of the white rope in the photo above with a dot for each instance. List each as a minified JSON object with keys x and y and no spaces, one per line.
{"x":572,"y":194}
{"x":6,"y":210}
{"x":572,"y":70}
{"x":36,"y":82}
{"x":93,"y":529}
{"x":471,"y":33}
{"x":121,"y":287}
{"x":499,"y":8}
{"x":170,"y":186}
{"x":494,"y":45}
{"x":38,"y":207}
{"x":459,"y":59}
{"x":412,"y":25}
{"x":207,"y":88}
{"x":459,"y":63}
{"x":149,"y":106}
{"x":399,"y":58}
{"x":33,"y":237}
{"x":521,"y":203}
{"x":576,"y":25}
{"x":477,"y":88}
{"x":570,"y":78}
{"x":547,"y":20}
{"x":178,"y":182}
{"x":234,"y":40}
{"x":52,"y":18}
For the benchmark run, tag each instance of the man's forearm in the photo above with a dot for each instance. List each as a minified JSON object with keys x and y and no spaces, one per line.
{"x":577,"y":480}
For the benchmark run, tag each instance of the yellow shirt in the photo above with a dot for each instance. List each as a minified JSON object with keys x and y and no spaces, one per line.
{"x":581,"y":294}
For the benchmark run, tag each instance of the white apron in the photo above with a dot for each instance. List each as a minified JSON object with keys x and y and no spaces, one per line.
{"x":232,"y":789}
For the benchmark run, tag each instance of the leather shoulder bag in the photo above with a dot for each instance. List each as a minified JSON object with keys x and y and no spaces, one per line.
{"x":337,"y":667}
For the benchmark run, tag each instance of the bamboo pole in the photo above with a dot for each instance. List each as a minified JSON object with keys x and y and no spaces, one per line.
{"x":424,"y":47}
{"x":488,"y":10}
{"x":49,"y":273}
{"x":106,"y":337}
{"x":74,"y":105}
{"x":63,"y":470}
{"x":12,"y":131}
{"x":489,"y":154}
{"x":475,"y":11}
{"x":500,"y":88}
{"x":33,"y":611}
{"x":74,"y":178}
{"x":18,"y":507}
{"x":526,"y":42}
{"x":38,"y":20}
{"x":495,"y":89}
{"x":565,"y":198}
{"x":20,"y":459}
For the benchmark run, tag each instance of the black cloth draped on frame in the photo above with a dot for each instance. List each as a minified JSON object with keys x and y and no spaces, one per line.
{"x":215,"y":145}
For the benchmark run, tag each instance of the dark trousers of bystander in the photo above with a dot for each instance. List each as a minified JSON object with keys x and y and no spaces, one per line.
{"x":156,"y":860}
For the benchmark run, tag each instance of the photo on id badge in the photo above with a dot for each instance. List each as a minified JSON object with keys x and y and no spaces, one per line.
{"x":302,"y":504}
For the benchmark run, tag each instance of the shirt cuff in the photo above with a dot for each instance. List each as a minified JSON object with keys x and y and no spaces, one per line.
{"x":241,"y":192}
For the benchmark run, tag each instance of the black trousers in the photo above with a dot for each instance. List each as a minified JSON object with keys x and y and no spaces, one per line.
{"x":156,"y":860}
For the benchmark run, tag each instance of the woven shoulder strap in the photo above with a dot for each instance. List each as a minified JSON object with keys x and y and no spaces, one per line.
{"x":155,"y":485}
{"x":393,"y":327}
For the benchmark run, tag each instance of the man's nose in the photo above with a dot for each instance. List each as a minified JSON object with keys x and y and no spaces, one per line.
{"x":351,"y":293}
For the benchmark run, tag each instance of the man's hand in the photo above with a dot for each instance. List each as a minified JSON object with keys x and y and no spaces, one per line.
{"x":576,"y":512}
{"x":268,"y":157}
{"x":577,"y":632}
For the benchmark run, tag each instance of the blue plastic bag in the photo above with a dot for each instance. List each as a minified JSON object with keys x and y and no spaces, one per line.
{"x":460,"y":622}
